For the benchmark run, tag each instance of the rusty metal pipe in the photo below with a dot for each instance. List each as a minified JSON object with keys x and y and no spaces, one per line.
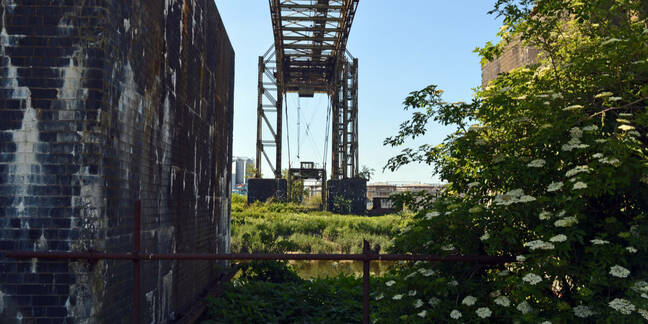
{"x":254,"y":256}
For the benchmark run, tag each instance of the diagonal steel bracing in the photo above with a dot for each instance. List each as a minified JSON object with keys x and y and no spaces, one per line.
{"x":309,"y":57}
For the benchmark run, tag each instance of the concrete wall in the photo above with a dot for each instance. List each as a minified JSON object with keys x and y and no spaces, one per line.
{"x":103,"y":103}
{"x":353,"y":191}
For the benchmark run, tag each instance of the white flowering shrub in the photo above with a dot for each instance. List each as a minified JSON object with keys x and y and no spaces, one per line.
{"x":553,"y":173}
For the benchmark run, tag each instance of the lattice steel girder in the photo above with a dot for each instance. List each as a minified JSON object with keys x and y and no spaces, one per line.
{"x":311,"y":30}
{"x":310,"y":39}
{"x":344,"y":159}
{"x":269,"y":104}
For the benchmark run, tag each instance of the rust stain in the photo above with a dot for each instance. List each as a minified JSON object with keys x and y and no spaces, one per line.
{"x":185,"y":18}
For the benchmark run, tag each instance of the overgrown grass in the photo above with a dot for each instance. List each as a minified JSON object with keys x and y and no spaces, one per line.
{"x":285,"y":227}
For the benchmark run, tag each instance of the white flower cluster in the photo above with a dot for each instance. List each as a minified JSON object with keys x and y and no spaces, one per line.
{"x":512,"y":197}
{"x":580,"y":185}
{"x":578,"y":169}
{"x":448,"y":247}
{"x":643,"y":313}
{"x":390,"y":283}
{"x":622,"y":306}
{"x":537,"y":163}
{"x":524,"y":307}
{"x":532,"y":279}
{"x":539,"y":244}
{"x":566,"y":222}
{"x":434,"y":301}
{"x":558,"y":238}
{"x":411,"y":293}
{"x":619,"y":271}
{"x":431,"y":215}
{"x":611,"y":161}
{"x":631,"y":249}
{"x":583,"y":311}
{"x":520,"y":258}
{"x":469,"y":300}
{"x":599,"y":242}
{"x":483,"y":312}
{"x":397,"y":297}
{"x":544,"y":215}
{"x":641,"y":287}
{"x":575,"y":140}
{"x":426,"y":272}
{"x":418,"y":303}
{"x":422,"y":313}
{"x":503,"y":301}
{"x":554,"y":186}
{"x":455,"y":314}
{"x":590,"y":128}
{"x":485,"y":237}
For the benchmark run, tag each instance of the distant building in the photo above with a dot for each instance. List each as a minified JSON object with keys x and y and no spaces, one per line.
{"x":381,"y":191}
{"x":239,"y":167}
{"x":515,"y":55}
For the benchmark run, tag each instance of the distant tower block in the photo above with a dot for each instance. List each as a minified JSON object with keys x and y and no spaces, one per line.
{"x":309,"y":56}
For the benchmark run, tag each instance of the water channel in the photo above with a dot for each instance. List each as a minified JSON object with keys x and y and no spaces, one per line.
{"x":321,"y":268}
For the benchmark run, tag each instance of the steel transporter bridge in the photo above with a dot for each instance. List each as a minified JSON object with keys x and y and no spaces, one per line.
{"x":309,"y":56}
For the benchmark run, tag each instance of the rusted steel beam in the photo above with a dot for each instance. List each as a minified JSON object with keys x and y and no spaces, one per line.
{"x":311,"y":6}
{"x":313,"y":18}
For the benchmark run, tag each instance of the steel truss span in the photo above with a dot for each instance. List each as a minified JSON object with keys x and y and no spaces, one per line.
{"x":309,"y":56}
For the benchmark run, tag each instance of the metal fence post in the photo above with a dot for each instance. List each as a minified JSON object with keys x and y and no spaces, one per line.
{"x":137,"y":228}
{"x":366,"y":251}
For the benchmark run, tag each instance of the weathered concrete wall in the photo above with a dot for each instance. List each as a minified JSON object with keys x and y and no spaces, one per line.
{"x":264,"y":189}
{"x":515,"y":55}
{"x":354,"y":191}
{"x":103,"y":103}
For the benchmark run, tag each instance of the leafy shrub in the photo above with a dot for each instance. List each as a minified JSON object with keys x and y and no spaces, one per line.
{"x":268,"y":271}
{"x":272,"y":293}
{"x":553,"y":173}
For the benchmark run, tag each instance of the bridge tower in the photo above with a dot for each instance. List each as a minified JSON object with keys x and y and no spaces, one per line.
{"x":309,"y":56}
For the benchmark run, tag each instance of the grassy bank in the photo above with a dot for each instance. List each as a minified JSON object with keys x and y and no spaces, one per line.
{"x":280,"y":227}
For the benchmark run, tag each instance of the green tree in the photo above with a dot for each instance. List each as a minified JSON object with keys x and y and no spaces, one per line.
{"x":548,"y":165}
{"x":251,"y":171}
{"x":296,"y":187}
{"x":366,"y":173}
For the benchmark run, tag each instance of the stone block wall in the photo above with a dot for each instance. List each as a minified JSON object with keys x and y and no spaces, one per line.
{"x":264,"y":189}
{"x":515,"y":55}
{"x":104,"y":103}
{"x":347,"y":196}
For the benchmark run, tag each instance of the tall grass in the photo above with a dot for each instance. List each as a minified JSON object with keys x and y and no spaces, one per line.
{"x":284,"y":227}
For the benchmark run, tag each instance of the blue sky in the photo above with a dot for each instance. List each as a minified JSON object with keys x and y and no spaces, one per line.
{"x":401,"y":46}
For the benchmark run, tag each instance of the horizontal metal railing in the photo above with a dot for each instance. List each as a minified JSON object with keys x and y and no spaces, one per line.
{"x":137,"y":256}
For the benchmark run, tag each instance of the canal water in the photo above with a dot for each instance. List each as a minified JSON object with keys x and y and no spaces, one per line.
{"x":322,"y":269}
